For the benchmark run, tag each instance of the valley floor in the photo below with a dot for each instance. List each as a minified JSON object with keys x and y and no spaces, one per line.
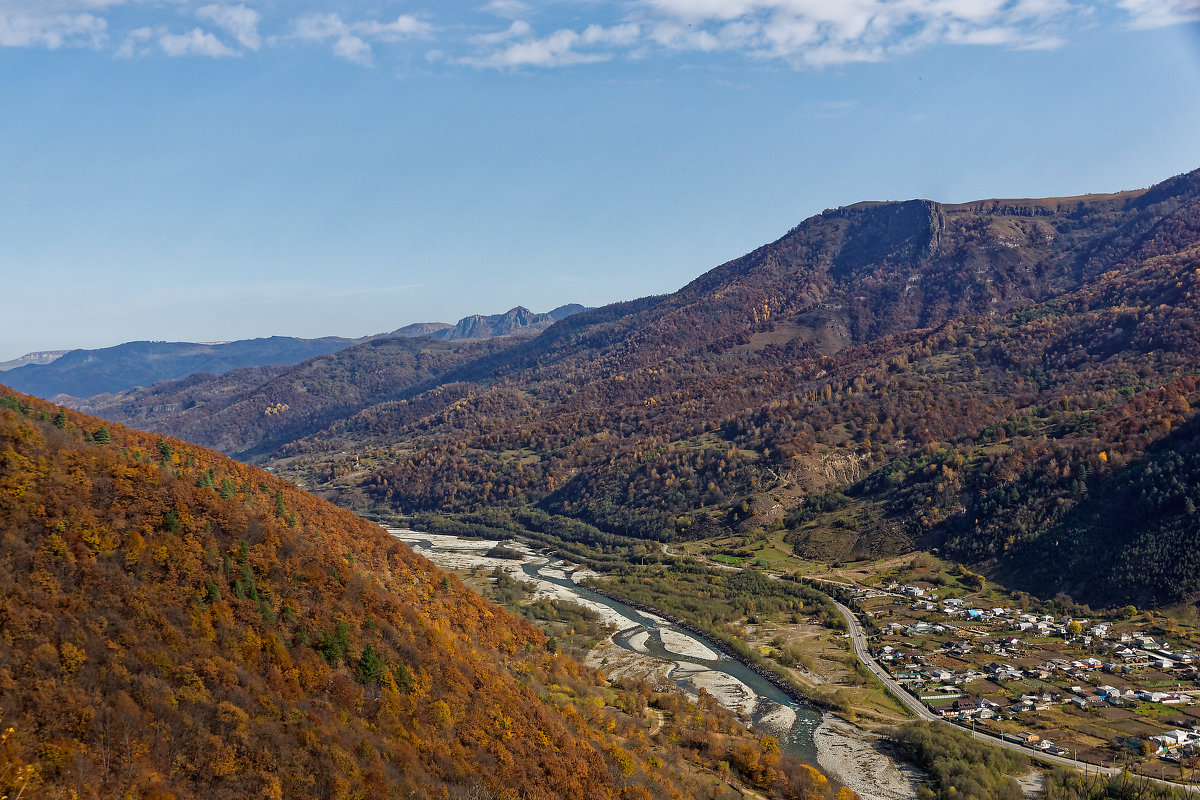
{"x":851,"y":755}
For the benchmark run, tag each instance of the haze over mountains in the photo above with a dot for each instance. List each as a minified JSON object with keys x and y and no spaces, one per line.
{"x":972,"y":376}
{"x":86,"y":373}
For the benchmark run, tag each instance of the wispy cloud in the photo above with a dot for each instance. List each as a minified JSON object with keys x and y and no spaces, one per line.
{"x":194,"y":43}
{"x":518,"y":30}
{"x":1160,"y":13}
{"x":53,"y":24}
{"x":817,"y":33}
{"x":352,"y":40}
{"x":510,"y":9}
{"x":561,"y":48}
{"x":239,"y":21}
{"x":800,"y":33}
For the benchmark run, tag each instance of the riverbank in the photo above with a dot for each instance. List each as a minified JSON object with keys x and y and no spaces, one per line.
{"x":766,"y":673}
{"x":672,"y":657}
{"x":859,"y":760}
{"x":675,"y":666}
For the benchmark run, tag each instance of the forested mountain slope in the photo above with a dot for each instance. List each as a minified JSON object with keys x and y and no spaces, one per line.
{"x":884,"y":375}
{"x":176,"y":624}
{"x":256,"y":408}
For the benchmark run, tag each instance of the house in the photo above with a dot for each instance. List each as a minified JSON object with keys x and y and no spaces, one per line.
{"x":1086,"y":701}
{"x":1173,"y":739}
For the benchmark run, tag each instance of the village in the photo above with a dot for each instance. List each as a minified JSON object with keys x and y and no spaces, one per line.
{"x":1112,"y":690}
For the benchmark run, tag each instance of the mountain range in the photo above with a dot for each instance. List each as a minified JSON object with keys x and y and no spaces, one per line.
{"x":986,"y":378}
{"x":72,"y":375}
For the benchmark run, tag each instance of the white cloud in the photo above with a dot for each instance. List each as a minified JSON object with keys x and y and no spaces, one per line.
{"x":239,"y":21}
{"x":45,"y":27}
{"x":135,"y":42}
{"x":1160,"y":13}
{"x":802,"y":33}
{"x":819,"y":32}
{"x":350,"y":39}
{"x":560,"y":48}
{"x":518,"y":30}
{"x":510,"y":9}
{"x":194,"y":43}
{"x":404,"y":27}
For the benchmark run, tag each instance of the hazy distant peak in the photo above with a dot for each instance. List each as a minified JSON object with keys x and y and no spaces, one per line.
{"x":518,"y":319}
{"x":562,"y":312}
{"x":38,"y":357}
{"x":420,"y":329}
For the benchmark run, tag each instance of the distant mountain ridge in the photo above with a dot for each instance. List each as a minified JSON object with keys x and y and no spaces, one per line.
{"x":419,"y":329}
{"x":485,"y":327}
{"x":83,"y":374}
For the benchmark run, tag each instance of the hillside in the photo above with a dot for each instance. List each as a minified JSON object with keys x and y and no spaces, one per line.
{"x":260,"y":408}
{"x":885,"y":375}
{"x":176,"y":624}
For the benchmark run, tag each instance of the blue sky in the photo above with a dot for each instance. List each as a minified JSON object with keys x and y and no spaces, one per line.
{"x":207,"y":171}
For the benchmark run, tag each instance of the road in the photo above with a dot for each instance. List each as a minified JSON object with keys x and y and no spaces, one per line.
{"x":859,"y":640}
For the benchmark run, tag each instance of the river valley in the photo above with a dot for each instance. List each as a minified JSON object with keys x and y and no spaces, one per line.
{"x":647,"y":646}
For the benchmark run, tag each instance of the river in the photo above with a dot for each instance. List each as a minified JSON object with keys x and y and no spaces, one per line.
{"x":688,"y":659}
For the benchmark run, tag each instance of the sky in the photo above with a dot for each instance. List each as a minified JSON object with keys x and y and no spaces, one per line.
{"x":187,"y":170}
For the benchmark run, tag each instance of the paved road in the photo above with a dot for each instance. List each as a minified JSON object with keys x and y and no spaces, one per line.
{"x":859,"y":640}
